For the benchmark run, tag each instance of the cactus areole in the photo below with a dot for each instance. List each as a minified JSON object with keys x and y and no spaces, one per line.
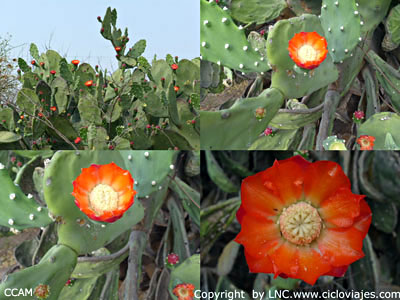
{"x":301,"y":220}
{"x":308,"y":49}
{"x":104,"y":192}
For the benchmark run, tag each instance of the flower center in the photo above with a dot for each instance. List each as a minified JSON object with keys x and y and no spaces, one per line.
{"x":300,"y":223}
{"x":103,"y":198}
{"x":365,"y":142}
{"x":307,"y":53}
{"x":183,"y":292}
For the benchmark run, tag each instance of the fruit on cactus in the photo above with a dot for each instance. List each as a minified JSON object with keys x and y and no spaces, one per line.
{"x":89,"y":83}
{"x":176,"y":88}
{"x":308,"y":49}
{"x":104,"y":192}
{"x":172,"y":259}
{"x":53,"y":108}
{"x":75,"y":62}
{"x":118,"y":49}
{"x":41,"y":64}
{"x":33,"y":62}
{"x":301,"y":220}
{"x":358,"y":115}
{"x":77,"y":140}
{"x":53,"y":72}
{"x":42,"y":291}
{"x":366,"y":142}
{"x":174,"y":67}
{"x":184,"y":291}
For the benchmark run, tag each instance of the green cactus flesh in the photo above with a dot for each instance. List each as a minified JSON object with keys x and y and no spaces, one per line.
{"x":238,"y":127}
{"x":250,"y":11}
{"x":223,"y":43}
{"x":52,"y":273}
{"x":284,"y":78}
{"x":344,"y":32}
{"x":392,"y":24}
{"x":19,"y":211}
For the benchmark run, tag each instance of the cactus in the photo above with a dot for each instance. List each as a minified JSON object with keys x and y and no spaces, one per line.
{"x":84,"y":96}
{"x":392,"y":37}
{"x":313,"y":55}
{"x":234,"y":51}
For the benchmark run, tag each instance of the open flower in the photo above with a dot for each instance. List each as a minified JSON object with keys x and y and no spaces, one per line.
{"x":308,"y":49}
{"x":75,"y":62}
{"x":104,"y":192}
{"x":366,"y":142}
{"x":184,"y":291}
{"x":301,"y":220}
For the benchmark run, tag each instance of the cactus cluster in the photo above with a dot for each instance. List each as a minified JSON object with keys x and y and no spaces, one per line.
{"x":242,"y":43}
{"x":64,"y":269}
{"x":72,"y":105}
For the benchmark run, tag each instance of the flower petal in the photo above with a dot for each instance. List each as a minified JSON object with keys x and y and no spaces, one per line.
{"x":340,"y":209}
{"x":285,"y":259}
{"x":363,"y":221}
{"x":258,"y":236}
{"x":122,"y":181}
{"x":337,"y":271}
{"x":259,"y":265}
{"x":285,"y":179}
{"x":88,"y":178}
{"x":341,"y":246}
{"x":107,"y":173}
{"x":312,"y":265}
{"x":322,"y":179}
{"x":257,"y":199}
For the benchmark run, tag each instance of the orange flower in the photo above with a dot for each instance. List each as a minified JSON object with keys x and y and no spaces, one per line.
{"x":301,"y":220}
{"x":75,"y":62}
{"x":53,"y":108}
{"x":174,"y":67}
{"x":176,"y":88}
{"x":118,"y":49}
{"x":184,"y":291}
{"x":366,"y":142}
{"x":308,"y":49}
{"x":104,"y":192}
{"x":89,"y":83}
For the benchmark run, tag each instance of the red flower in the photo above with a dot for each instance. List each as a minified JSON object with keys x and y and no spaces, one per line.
{"x":53,"y":108}
{"x":366,"y":142}
{"x":33,"y":62}
{"x":174,"y":67}
{"x":308,"y":49}
{"x":358,"y":115}
{"x":268,"y":131}
{"x":104,"y":192}
{"x":172,"y":259}
{"x":184,"y":291}
{"x":176,"y":88}
{"x":53,"y":72}
{"x":40,"y":114}
{"x":21,"y":117}
{"x":89,"y":83}
{"x":118,"y":49}
{"x":77,"y":140}
{"x":75,"y":62}
{"x":301,"y":220}
{"x":41,"y":64}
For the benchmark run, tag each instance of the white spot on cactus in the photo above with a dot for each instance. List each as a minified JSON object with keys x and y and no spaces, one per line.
{"x":346,"y":50}
{"x":147,"y":197}
{"x":31,"y":217}
{"x":324,"y":6}
{"x":10,"y":221}
{"x":361,"y":23}
{"x":205,"y":22}
{"x":224,"y":20}
{"x":341,"y":61}
{"x":256,"y":63}
{"x":357,"y":4}
{"x":30,"y":196}
{"x":172,"y":167}
{"x":333,"y":49}
{"x":226,"y":46}
{"x":241,"y":66}
{"x":341,"y":28}
{"x":225,"y":8}
{"x":103,"y":225}
{"x":255,"y":49}
{"x":146,"y":154}
{"x":39,"y":209}
{"x":330,"y":29}
{"x":129,"y":157}
{"x":160,"y":187}
{"x":356,"y":13}
{"x":245,"y":48}
{"x":337,"y":3}
{"x":261,"y":58}
{"x":262,"y":73}
{"x":12,"y":196}
{"x":218,"y":63}
{"x":1,"y":166}
{"x":203,"y":44}
{"x":15,"y":231}
{"x":88,"y":225}
{"x":46,"y":163}
{"x":136,"y":183}
{"x":153,"y":183}
{"x":240,"y":27}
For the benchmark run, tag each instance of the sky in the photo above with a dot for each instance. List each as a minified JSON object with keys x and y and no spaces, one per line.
{"x":71,"y":28}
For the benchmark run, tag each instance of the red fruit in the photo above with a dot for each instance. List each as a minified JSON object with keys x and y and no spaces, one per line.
{"x":172,"y":259}
{"x":111,"y":147}
{"x":148,"y":126}
{"x":116,"y":90}
{"x":162,"y":78}
{"x":174,"y":67}
{"x":77,"y":140}
{"x":268,"y":131}
{"x":358,"y":115}
{"x":118,"y":49}
{"x":99,"y":18}
{"x":193,"y":121}
{"x":19,"y":164}
{"x":131,"y":142}
{"x":262,"y":32}
{"x":89,"y":83}
{"x":21,"y":117}
{"x":33,"y":62}
{"x":75,"y":62}
{"x":53,"y":72}
{"x":176,"y":88}
{"x":102,"y":30}
{"x":53,"y":108}
{"x":40,"y":115}
{"x":13,"y":159}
